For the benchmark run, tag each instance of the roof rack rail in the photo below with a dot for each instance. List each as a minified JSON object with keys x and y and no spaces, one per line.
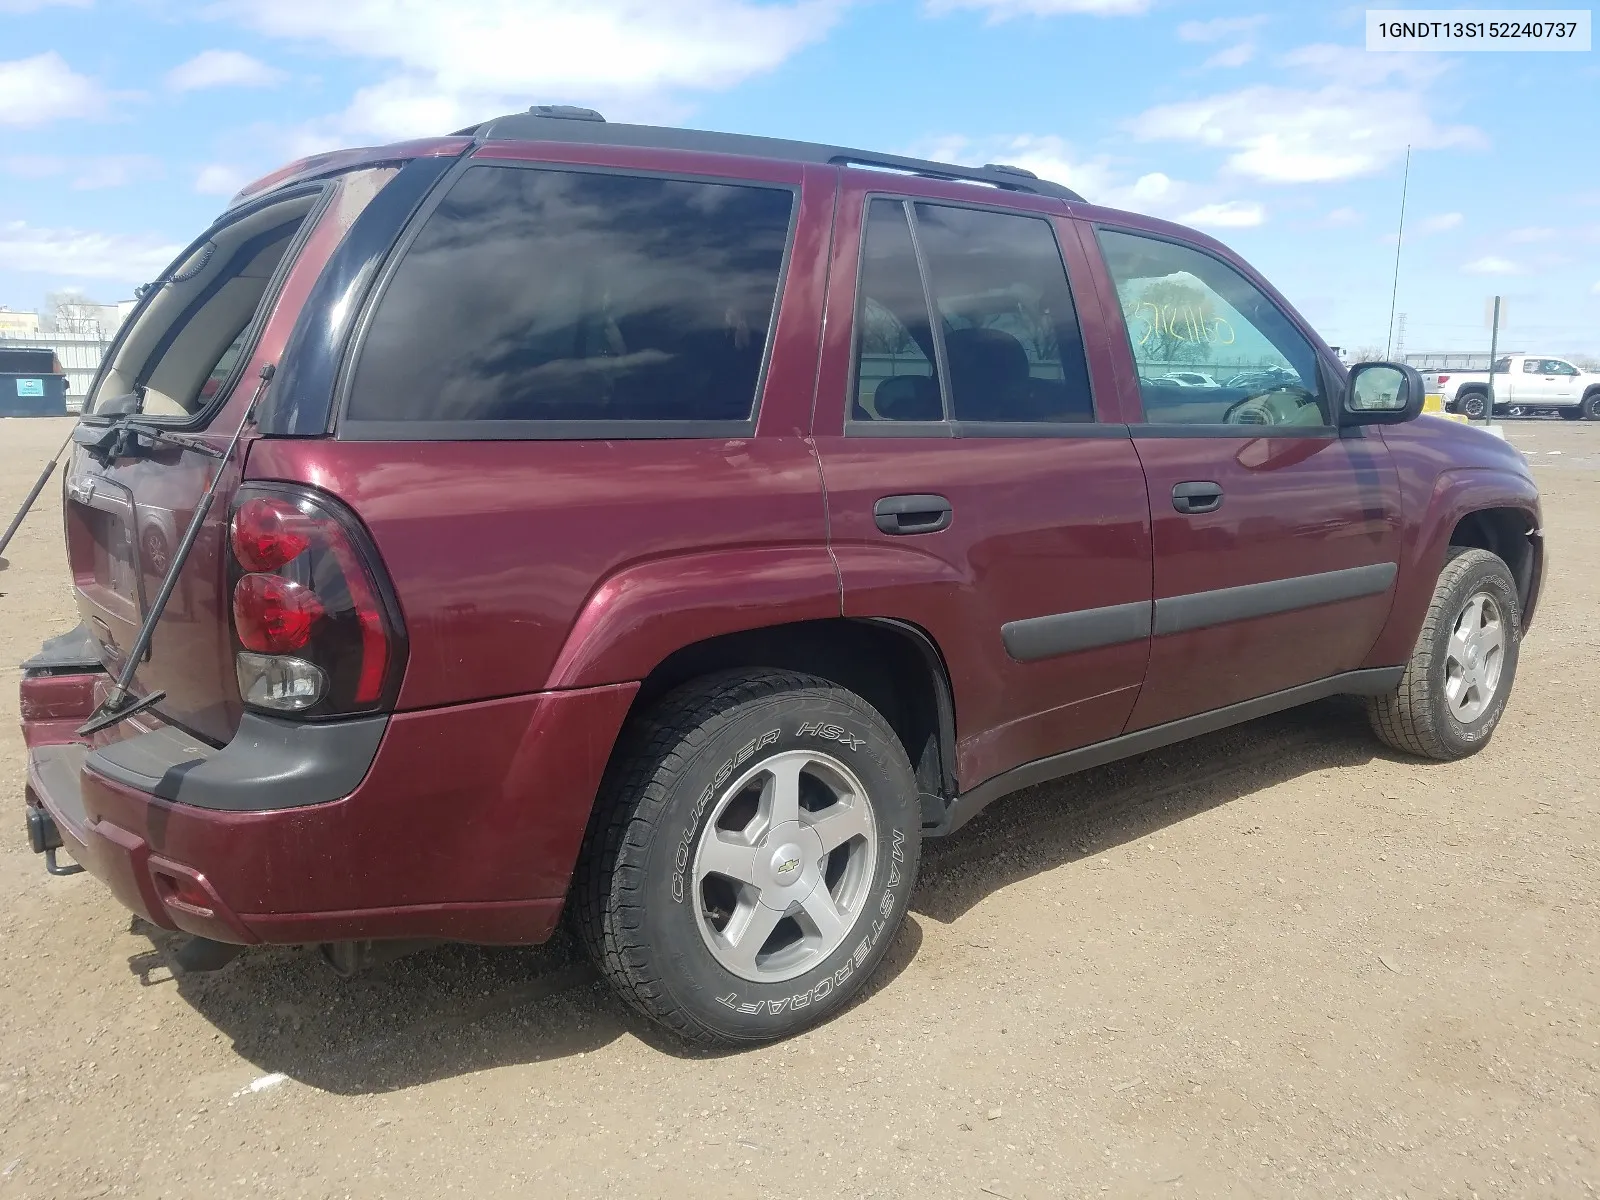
{"x":563,"y":123}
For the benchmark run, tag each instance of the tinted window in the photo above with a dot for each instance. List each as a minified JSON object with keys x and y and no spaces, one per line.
{"x":1012,"y":345}
{"x":1209,"y":346}
{"x":537,"y":295}
{"x":1554,"y":366}
{"x":895,"y":376}
{"x":1530,"y":366}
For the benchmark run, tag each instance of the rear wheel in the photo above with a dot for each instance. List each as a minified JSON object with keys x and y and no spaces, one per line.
{"x":753,"y":850}
{"x":1473,"y":404}
{"x":1455,"y":687}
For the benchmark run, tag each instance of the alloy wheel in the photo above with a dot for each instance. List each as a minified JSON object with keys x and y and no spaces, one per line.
{"x":1474,"y":657}
{"x":784,"y":865}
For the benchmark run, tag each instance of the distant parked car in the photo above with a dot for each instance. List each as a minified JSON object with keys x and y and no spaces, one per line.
{"x":1262,"y":377}
{"x":1524,"y":384}
{"x":1189,"y":379}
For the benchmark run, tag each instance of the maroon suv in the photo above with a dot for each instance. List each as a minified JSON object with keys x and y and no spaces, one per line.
{"x":674,"y":528}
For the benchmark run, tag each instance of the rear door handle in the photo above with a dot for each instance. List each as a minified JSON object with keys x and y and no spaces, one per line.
{"x":913,"y":514}
{"x":1201,"y":496}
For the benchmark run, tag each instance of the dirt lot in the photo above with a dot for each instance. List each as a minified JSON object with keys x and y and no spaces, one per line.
{"x":1274,"y":962}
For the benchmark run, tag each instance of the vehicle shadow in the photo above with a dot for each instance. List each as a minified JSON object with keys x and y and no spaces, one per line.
{"x":451,"y":1010}
{"x":457,"y":1009}
{"x":1056,"y":823}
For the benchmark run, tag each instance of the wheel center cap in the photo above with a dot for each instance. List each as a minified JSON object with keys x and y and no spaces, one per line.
{"x":1472,"y":656}
{"x":785,"y":864}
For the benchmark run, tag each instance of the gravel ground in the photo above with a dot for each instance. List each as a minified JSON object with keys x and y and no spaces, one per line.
{"x":1276,"y":961}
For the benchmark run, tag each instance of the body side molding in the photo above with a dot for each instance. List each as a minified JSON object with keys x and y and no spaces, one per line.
{"x":1200,"y":610}
{"x":1088,"y":629}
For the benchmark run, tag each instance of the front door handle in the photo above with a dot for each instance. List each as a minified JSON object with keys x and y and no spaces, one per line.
{"x":913,"y":514}
{"x":1201,"y":496}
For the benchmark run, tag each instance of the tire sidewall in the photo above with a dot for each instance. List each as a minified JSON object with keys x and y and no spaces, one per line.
{"x":1473,"y":405}
{"x":1591,"y":406}
{"x":1491,"y":576}
{"x":737,"y":1008}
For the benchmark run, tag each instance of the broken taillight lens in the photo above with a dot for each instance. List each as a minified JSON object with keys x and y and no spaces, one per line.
{"x":316,"y":631}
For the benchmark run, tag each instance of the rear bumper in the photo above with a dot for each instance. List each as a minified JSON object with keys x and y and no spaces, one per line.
{"x":465,"y":827}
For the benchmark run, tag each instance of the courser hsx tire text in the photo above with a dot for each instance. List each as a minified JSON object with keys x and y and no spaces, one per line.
{"x":753,"y":849}
{"x":1460,"y":675}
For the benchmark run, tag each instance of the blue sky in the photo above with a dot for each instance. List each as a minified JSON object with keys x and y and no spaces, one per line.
{"x":125,"y":126}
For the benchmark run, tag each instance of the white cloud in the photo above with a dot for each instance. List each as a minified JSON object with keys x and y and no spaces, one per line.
{"x":1231,"y":214}
{"x":43,"y":88}
{"x":1218,"y":28}
{"x":1099,"y":180}
{"x":1530,"y":234}
{"x":1233,"y":56}
{"x":33,"y":166}
{"x":1440,"y":222}
{"x":1096,"y":179}
{"x":222,"y":68}
{"x":1341,"y":217}
{"x":1002,"y":10}
{"x":86,"y":174}
{"x":1358,"y":122}
{"x":457,"y":64}
{"x":77,"y":253}
{"x":221,"y":179}
{"x":1491,"y":264}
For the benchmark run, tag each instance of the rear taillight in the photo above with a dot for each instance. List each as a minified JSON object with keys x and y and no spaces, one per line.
{"x":1444,"y":379}
{"x":316,"y":631}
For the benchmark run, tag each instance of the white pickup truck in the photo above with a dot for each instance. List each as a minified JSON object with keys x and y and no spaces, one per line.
{"x":1526,"y":382}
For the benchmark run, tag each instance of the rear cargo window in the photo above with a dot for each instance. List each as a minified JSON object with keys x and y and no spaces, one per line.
{"x":186,"y":343}
{"x":538,"y":295}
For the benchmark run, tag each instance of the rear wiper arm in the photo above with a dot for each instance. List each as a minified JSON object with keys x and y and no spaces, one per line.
{"x":119,"y":704}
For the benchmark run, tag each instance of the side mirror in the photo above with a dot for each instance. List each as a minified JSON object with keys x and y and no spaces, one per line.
{"x":1381,"y":393}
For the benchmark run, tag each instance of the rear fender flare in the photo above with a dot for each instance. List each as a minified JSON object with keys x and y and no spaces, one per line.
{"x":640,"y":614}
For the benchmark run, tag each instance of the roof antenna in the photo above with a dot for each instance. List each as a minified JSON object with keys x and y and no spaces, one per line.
{"x":119,"y":705}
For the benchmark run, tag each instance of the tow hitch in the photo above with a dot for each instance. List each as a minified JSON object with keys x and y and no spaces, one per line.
{"x":46,"y":840}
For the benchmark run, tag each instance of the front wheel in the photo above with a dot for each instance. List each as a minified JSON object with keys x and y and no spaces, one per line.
{"x":1455,"y":686}
{"x":1473,"y":405}
{"x":754,"y":847}
{"x":1591,"y":406}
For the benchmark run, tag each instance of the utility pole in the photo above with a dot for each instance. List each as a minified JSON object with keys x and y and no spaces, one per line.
{"x":1394,"y":294}
{"x":1494,"y":350}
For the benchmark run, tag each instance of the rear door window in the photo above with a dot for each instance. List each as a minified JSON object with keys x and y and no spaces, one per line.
{"x":565,"y":301}
{"x":971,"y":305}
{"x":1011,"y":339}
{"x":896,"y":379}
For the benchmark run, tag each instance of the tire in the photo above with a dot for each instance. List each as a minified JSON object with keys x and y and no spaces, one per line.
{"x":693,"y":786}
{"x":1591,"y":406}
{"x":1452,"y":696}
{"x":1473,"y":405}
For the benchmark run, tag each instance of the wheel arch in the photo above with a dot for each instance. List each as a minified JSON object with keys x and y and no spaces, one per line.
{"x":1491,"y":509}
{"x":893,"y":665}
{"x":1510,"y":534}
